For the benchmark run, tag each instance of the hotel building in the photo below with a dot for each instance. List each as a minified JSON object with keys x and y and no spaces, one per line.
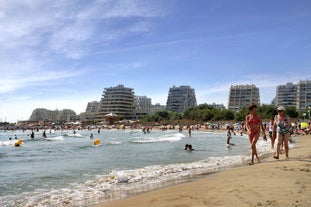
{"x":118,"y":100}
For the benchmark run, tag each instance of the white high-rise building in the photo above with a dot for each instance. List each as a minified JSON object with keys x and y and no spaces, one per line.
{"x":180,"y":98}
{"x":89,"y":115}
{"x":304,"y":95}
{"x":92,"y":106}
{"x":118,"y":100}
{"x":241,"y":96}
{"x":286,"y":95}
{"x":143,"y":104}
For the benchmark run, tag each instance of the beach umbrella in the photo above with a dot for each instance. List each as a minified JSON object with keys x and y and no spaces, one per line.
{"x":111,"y":118}
{"x":304,"y":125}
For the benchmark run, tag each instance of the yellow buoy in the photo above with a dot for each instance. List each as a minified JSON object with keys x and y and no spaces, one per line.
{"x":18,"y":143}
{"x":96,"y":142}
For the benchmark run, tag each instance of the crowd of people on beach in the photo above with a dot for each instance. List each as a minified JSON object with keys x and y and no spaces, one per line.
{"x":279,"y":128}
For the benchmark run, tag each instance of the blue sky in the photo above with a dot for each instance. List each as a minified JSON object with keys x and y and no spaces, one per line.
{"x":62,"y":54}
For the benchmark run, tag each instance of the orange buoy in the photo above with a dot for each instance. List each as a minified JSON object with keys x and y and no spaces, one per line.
{"x":96,"y":142}
{"x":18,"y":143}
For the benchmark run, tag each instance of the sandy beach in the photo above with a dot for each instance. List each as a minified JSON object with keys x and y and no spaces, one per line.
{"x":284,"y":182}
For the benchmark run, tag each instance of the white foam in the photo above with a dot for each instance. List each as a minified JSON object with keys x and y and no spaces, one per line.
{"x":114,"y":143}
{"x":75,"y":135}
{"x":7,"y":143}
{"x":122,"y":183}
{"x":59,"y":138}
{"x":72,"y":135}
{"x":167,"y":138}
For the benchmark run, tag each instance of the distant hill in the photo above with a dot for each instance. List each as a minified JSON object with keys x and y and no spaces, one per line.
{"x":41,"y":114}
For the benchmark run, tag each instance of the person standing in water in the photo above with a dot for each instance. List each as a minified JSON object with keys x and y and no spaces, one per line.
{"x":271,"y":129}
{"x":44,"y":134}
{"x":253,"y":124}
{"x":32,"y":135}
{"x":189,"y":130}
{"x":229,"y":136}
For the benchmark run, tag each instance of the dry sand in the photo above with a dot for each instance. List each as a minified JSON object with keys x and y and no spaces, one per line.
{"x":284,"y":182}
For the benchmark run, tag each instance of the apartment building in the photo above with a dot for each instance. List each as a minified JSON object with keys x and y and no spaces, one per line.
{"x":241,"y":96}
{"x":180,"y":98}
{"x":143,"y":104}
{"x":118,"y":100}
{"x":303,"y":100}
{"x":286,"y":95}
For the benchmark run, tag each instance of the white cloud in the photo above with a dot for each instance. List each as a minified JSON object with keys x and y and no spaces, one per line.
{"x":33,"y":32}
{"x":38,"y":37}
{"x":67,"y":27}
{"x":11,"y":80}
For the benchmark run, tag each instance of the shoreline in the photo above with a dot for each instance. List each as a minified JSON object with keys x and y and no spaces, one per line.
{"x":284,"y":182}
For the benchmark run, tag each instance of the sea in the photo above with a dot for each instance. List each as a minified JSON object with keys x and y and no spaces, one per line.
{"x":67,"y":169}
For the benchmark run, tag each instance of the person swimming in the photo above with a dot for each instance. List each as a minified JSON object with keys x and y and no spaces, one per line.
{"x":188,"y":147}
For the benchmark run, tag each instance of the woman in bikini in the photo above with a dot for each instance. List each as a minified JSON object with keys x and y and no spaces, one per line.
{"x":282,"y":127}
{"x":253,"y":125}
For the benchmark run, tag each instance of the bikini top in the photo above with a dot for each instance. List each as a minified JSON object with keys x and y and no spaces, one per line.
{"x":254,"y":120}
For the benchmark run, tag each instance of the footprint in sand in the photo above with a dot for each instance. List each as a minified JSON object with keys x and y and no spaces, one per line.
{"x":305,"y":169}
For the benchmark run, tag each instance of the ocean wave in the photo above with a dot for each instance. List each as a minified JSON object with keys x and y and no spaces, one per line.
{"x":72,"y":135}
{"x":118,"y":183}
{"x":114,"y":143}
{"x":7,"y":143}
{"x":167,"y":138}
{"x":121,"y":183}
{"x":59,"y":138}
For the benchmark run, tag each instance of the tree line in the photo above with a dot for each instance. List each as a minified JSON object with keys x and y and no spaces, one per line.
{"x":206,"y":113}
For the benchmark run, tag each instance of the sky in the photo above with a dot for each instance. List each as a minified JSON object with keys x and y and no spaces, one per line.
{"x":63,"y":54}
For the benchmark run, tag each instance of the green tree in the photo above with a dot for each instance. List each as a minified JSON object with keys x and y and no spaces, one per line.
{"x":207,"y":115}
{"x":189,"y":113}
{"x":228,"y":115}
{"x":267,"y":111}
{"x":291,"y":112}
{"x":241,"y":114}
{"x":175,"y":116}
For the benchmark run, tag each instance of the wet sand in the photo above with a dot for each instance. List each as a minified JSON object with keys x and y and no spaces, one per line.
{"x":283,"y":182}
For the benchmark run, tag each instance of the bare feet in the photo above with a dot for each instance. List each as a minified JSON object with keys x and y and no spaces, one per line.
{"x":251,"y":163}
{"x":276,"y":157}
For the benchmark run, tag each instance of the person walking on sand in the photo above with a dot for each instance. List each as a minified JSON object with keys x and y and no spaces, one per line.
{"x":253,"y":124}
{"x":282,"y":127}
